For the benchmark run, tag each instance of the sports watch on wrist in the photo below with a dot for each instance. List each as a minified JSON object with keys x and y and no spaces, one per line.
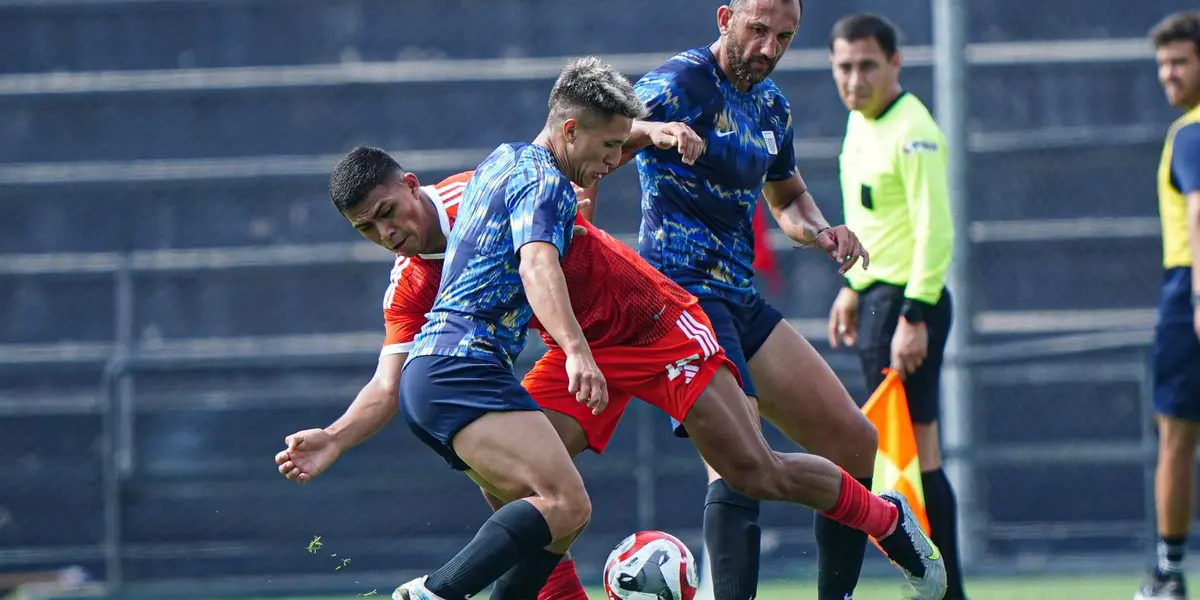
{"x":913,"y":311}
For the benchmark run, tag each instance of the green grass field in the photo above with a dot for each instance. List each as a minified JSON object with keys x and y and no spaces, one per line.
{"x":1035,"y":588}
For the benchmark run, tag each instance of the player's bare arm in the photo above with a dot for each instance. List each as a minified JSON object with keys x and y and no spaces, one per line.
{"x":310,"y":452}
{"x":801,"y":220}
{"x":546,"y":290}
{"x":663,"y":136}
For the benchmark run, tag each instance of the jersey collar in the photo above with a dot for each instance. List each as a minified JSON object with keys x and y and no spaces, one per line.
{"x":443,"y":218}
{"x":887,"y":109}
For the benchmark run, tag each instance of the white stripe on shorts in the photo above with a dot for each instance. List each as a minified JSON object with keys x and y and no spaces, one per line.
{"x":701,"y":334}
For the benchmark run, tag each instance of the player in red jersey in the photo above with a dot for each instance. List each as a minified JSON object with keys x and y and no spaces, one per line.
{"x":648,"y":336}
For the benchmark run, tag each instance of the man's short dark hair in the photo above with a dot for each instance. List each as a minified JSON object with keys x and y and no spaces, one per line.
{"x":357,"y":173}
{"x":737,"y":5}
{"x":592,"y":90}
{"x":864,"y":26}
{"x":1179,"y":27}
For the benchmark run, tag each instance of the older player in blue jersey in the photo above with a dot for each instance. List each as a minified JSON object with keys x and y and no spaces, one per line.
{"x":697,"y":229}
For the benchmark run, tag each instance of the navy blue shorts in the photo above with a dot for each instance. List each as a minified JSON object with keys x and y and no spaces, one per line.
{"x":742,"y":328}
{"x":1176,"y":349}
{"x":440,"y":395}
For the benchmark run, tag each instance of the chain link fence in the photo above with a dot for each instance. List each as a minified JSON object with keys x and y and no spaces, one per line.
{"x":178,"y":294}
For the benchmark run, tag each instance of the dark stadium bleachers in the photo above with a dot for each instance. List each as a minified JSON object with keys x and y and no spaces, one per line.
{"x":219,"y":193}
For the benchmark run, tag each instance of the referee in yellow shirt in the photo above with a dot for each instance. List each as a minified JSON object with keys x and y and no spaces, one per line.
{"x":1177,"y":333}
{"x":894,"y":191}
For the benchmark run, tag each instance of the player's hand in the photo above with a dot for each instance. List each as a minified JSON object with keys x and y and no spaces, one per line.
{"x":585,"y":380}
{"x":910,"y":344}
{"x":843,"y":247}
{"x":678,"y":135}
{"x":307,"y":455}
{"x":843,"y":318}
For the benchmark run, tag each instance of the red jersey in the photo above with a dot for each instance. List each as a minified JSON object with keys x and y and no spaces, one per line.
{"x":617,"y":297}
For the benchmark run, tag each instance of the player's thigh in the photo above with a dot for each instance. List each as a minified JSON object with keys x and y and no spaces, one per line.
{"x":578,"y":428}
{"x":799,"y":393}
{"x":478,"y":417}
{"x":518,"y":453}
{"x":724,"y":427}
{"x":724,"y":325}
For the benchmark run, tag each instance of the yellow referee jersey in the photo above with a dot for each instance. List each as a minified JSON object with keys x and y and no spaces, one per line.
{"x":1172,"y":203}
{"x":895,"y":197}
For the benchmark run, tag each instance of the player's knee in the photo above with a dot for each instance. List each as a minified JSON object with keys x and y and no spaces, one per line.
{"x":859,"y":447}
{"x":569,"y":502}
{"x":866,"y":438}
{"x":575,"y":509}
{"x":756,"y":476}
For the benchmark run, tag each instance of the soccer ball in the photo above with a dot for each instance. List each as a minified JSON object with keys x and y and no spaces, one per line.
{"x":650,"y":565}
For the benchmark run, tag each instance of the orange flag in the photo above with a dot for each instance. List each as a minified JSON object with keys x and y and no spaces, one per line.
{"x":896,"y":464}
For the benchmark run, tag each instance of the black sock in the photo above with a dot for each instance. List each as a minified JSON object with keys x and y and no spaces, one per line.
{"x":840,"y":552}
{"x":514,"y":532}
{"x":526,"y":578}
{"x":731,"y":538}
{"x":942,"y":510}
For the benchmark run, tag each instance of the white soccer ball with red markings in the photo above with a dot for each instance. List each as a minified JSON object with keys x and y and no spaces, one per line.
{"x":650,"y":565}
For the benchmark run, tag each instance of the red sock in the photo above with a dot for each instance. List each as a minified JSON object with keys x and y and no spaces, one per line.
{"x":857,"y":507}
{"x":563,"y":584}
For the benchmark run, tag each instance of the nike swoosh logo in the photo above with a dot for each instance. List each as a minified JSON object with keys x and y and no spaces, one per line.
{"x":722,"y":134}
{"x":936,"y":553}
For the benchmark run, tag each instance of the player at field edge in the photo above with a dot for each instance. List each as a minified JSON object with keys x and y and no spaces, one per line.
{"x":697,"y":227}
{"x":895,"y":195}
{"x":1176,"y":353}
{"x":390,"y":209}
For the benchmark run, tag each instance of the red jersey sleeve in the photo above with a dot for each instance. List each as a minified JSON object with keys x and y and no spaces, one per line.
{"x":409,"y":297}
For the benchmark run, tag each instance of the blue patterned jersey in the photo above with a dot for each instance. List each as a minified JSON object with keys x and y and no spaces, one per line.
{"x":697,"y":221}
{"x":516,"y":196}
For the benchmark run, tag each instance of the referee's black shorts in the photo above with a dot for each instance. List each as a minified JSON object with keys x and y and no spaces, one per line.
{"x":878,"y":313}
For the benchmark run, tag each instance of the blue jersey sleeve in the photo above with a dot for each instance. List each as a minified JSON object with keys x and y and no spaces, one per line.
{"x":784,"y":166}
{"x":1185,"y":159}
{"x":666,"y":97}
{"x":542,"y":207}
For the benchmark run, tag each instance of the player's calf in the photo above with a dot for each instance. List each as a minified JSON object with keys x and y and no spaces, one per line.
{"x":723,"y":427}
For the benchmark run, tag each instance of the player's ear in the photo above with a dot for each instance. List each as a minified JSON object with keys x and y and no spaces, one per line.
{"x":724,"y":15}
{"x":410,"y":179}
{"x":570,"y":128}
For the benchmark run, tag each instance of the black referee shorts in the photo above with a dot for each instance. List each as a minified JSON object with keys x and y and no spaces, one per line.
{"x":878,"y":313}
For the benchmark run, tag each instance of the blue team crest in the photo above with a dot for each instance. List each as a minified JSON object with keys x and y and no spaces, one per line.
{"x":769,"y":137}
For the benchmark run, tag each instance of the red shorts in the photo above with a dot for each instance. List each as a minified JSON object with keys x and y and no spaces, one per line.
{"x":669,"y":374}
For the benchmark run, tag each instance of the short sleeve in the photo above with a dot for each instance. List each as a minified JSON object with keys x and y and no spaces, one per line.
{"x":408,"y":299}
{"x":784,"y":166}
{"x":542,"y":206}
{"x":667,"y":99}
{"x":1185,"y":159}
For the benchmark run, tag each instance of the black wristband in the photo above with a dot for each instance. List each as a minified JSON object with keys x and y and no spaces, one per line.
{"x":914,"y":311}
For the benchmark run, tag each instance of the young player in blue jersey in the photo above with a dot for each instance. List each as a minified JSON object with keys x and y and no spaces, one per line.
{"x":459,"y":394}
{"x":697,"y":228}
